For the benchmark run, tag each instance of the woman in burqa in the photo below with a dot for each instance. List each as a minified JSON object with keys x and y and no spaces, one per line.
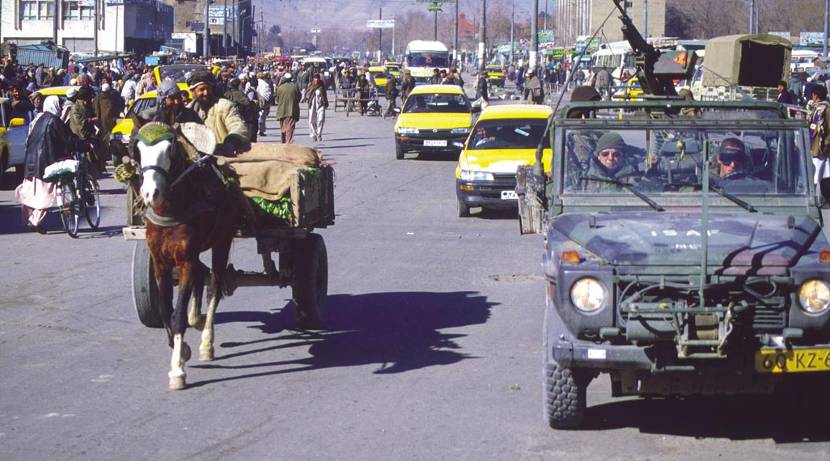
{"x":49,"y":140}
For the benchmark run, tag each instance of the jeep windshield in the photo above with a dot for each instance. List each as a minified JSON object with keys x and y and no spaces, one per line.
{"x":752,"y":163}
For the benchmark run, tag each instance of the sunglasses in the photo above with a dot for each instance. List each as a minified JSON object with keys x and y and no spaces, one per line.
{"x":607,"y":153}
{"x":728,"y":157}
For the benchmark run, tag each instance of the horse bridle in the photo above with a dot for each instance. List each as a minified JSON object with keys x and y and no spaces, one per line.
{"x":166,"y":174}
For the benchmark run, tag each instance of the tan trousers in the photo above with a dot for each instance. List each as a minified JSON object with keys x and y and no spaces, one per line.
{"x":287,"y":126}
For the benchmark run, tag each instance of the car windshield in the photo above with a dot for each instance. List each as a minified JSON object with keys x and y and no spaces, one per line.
{"x":440,"y":102}
{"x":178,"y":72}
{"x":745,"y":162}
{"x":143,"y":104}
{"x":428,"y":59}
{"x":508,"y":134}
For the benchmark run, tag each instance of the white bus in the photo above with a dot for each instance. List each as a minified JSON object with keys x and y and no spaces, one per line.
{"x":422,"y":56}
{"x":614,"y":56}
{"x":803,"y":60}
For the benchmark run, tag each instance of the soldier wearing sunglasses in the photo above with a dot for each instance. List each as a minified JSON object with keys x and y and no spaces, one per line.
{"x":732,"y":159}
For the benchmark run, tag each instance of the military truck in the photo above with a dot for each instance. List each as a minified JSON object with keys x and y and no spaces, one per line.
{"x":684,"y":252}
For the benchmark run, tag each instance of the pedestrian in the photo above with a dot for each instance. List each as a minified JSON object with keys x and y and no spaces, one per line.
{"x":247,"y":109}
{"x":71,"y":95}
{"x":82,"y":123}
{"x":820,"y":140}
{"x":407,"y":84}
{"x":264,"y":100}
{"x":48,"y":140}
{"x":107,"y":107}
{"x":362,"y":85}
{"x":128,"y":92}
{"x":436,"y":77}
{"x":318,"y":102}
{"x":482,"y":90}
{"x":218,"y":114}
{"x":602,"y":83}
{"x":534,"y":92}
{"x":784,"y":95}
{"x":288,"y":107}
{"x":391,"y":96}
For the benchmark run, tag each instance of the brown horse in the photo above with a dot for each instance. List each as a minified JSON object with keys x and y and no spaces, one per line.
{"x":189,"y":210}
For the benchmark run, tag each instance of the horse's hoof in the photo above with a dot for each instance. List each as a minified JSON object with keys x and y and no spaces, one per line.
{"x":206,"y":355}
{"x":186,"y":353}
{"x":177,"y":383}
{"x":197,"y":322}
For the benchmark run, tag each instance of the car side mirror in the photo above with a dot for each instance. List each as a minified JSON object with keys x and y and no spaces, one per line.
{"x":458,"y":145}
{"x":17,"y":121}
{"x":475,"y":109}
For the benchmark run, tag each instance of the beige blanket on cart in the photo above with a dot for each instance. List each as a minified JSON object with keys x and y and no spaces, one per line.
{"x":265,"y":171}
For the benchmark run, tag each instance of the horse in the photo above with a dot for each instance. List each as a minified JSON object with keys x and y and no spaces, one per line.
{"x":189,"y":210}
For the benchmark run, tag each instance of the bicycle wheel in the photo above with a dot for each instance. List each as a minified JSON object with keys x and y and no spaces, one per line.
{"x":91,"y":201}
{"x":69,"y":208}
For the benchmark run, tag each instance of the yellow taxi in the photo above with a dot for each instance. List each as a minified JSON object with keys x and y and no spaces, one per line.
{"x":504,"y":138}
{"x":495,"y":74}
{"x":378,"y":74}
{"x":393,"y":69}
{"x":123,"y":129}
{"x":433,"y":118}
{"x":631,"y":92}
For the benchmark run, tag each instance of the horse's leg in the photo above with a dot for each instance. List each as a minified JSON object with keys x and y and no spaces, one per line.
{"x":164,"y":282}
{"x":181,"y":351}
{"x":194,"y":316}
{"x":219,"y":256}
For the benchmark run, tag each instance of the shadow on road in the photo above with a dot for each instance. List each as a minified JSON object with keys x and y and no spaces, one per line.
{"x":396,"y":331}
{"x":780,"y":418}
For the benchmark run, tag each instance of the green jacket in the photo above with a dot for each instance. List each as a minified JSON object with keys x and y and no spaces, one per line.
{"x":79,"y":122}
{"x":288,"y":101}
{"x":626,"y":174}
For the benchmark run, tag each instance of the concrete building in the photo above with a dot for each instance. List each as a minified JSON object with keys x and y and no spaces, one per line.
{"x":124,"y":25}
{"x":582,"y":17}
{"x":232,"y":19}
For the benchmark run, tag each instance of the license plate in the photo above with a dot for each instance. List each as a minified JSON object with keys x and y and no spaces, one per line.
{"x":509,"y":195}
{"x":792,"y":361}
{"x":435,"y":142}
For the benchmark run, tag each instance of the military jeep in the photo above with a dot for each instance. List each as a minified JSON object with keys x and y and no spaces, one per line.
{"x":695,"y":265}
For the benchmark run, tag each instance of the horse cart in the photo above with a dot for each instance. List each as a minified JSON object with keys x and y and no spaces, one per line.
{"x":302,"y":261}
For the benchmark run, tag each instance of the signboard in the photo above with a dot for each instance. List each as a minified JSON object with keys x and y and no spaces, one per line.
{"x":197,"y":26}
{"x":546,"y":36}
{"x":315,"y":30}
{"x":114,"y":2}
{"x":216,"y":14}
{"x":380,"y":23}
{"x":812,"y":38}
{"x":781,"y":34}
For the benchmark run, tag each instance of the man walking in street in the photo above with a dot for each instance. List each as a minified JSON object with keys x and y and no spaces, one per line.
{"x":107,"y":107}
{"x":602,"y":83}
{"x":288,"y":107}
{"x":391,"y":96}
{"x":534,"y":92}
{"x":820,"y":140}
{"x":407,"y":84}
{"x":482,"y":87}
{"x":264,"y":99}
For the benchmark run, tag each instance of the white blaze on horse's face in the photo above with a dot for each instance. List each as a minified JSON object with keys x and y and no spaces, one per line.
{"x":154,"y":183}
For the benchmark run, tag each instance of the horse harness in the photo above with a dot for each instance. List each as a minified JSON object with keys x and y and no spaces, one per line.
{"x":193,"y":210}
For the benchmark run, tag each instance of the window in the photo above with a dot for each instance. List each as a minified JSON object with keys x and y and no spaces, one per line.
{"x":78,"y":9}
{"x":37,"y":9}
{"x":441,"y":102}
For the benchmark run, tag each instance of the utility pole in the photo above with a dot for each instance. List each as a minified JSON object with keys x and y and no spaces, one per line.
{"x":55,"y":25}
{"x":752,"y":16}
{"x":645,"y":18}
{"x":512,"y":30}
{"x":534,"y":37}
{"x":545,"y":27}
{"x":380,"y":37}
{"x":225,"y":27}
{"x":234,"y":41}
{"x":482,"y":36}
{"x":826,"y":27}
{"x":205,"y":32}
{"x":455,"y":37}
{"x":95,"y":27}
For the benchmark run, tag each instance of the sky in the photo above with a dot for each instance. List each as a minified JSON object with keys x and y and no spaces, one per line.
{"x":354,"y":13}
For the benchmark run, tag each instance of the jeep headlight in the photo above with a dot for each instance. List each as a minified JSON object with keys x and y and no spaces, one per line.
{"x":403,"y":130}
{"x":587,"y":294}
{"x":814,"y":296}
{"x":467,"y":175}
{"x":460,"y":130}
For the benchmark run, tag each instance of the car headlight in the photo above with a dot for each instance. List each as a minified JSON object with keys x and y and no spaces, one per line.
{"x":408,"y":130}
{"x":814,"y":296}
{"x":587,"y":294}
{"x":460,"y":130}
{"x":467,"y":175}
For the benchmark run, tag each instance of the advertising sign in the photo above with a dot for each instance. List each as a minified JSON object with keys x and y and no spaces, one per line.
{"x":380,"y":23}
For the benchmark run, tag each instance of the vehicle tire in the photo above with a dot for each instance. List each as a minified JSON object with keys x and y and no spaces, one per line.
{"x":463,"y":209}
{"x":69,"y":209}
{"x":310,"y":286}
{"x":145,"y":290}
{"x":398,"y":151}
{"x":565,"y":396}
{"x":91,"y":197}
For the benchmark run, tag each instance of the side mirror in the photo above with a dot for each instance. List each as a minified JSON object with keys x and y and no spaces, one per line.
{"x":17,"y":121}
{"x":396,"y":110}
{"x":458,"y":145}
{"x":476,"y":108}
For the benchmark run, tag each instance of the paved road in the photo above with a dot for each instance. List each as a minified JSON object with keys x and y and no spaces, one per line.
{"x":432,"y":348}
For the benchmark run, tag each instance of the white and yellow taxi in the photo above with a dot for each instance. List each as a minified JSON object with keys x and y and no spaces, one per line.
{"x":433,"y":118}
{"x":504,"y":138}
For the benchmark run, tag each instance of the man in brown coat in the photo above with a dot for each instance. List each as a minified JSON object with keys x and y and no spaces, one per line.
{"x":288,"y":107}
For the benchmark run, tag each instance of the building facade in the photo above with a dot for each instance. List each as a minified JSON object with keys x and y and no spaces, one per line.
{"x":232,"y":20}
{"x":574,"y":18}
{"x":123,"y":25}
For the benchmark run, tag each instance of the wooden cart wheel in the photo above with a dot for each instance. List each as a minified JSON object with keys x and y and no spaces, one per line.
{"x":145,"y":291}
{"x":310,"y":286}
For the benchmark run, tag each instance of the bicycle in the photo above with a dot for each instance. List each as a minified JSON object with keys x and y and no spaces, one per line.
{"x":78,"y":192}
